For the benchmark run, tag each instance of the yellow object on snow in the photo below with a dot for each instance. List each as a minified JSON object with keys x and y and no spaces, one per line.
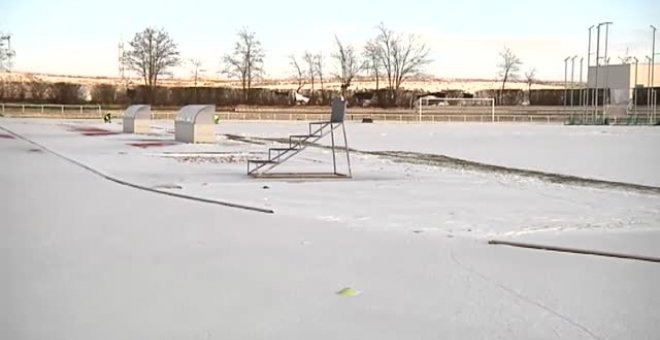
{"x":348,"y":292}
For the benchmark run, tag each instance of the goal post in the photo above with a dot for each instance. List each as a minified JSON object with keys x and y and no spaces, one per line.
{"x":473,"y":107}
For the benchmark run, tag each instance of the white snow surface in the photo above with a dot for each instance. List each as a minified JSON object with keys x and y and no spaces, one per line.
{"x":86,"y":258}
{"x":611,"y":153}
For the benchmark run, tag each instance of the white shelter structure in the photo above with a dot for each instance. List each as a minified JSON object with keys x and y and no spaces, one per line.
{"x":195,"y":124}
{"x":137,"y":119}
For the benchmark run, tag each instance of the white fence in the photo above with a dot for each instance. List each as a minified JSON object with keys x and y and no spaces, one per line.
{"x":404,"y":118}
{"x":517,"y":114}
{"x":6,"y":108}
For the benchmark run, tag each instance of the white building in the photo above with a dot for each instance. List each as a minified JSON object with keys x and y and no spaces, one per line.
{"x":621,"y":79}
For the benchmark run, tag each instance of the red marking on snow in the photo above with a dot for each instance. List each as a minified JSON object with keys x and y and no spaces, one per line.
{"x":92,"y":131}
{"x":151,"y":144}
{"x":6,"y":136}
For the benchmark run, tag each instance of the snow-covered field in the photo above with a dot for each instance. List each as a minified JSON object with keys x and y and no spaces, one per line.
{"x":88,"y":258}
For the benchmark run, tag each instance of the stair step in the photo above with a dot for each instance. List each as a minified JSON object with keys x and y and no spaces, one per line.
{"x":261,"y":161}
{"x":282,"y":149}
{"x":304,"y":136}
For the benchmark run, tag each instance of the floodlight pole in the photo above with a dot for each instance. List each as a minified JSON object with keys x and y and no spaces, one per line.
{"x":566,"y":77}
{"x":607,"y":25}
{"x":648,"y":87}
{"x":652,"y":83}
{"x":586,"y":99}
{"x":635,"y":86}
{"x":595,"y":99}
{"x":572,"y":77}
{"x":581,"y":84}
{"x":607,"y":69}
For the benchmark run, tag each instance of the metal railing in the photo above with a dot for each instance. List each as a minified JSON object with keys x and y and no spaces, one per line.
{"x":521,"y":114}
{"x":50,"y":109}
{"x":404,"y":118}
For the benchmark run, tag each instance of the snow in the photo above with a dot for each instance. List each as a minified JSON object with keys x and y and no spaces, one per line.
{"x":612,"y":153}
{"x":85,"y":258}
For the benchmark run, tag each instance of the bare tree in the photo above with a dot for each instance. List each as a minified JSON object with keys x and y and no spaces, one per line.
{"x":6,"y":53}
{"x":246,"y":62}
{"x":196,"y":72}
{"x":299,"y":73}
{"x":530,"y":78}
{"x":319,"y":61}
{"x":508,"y":68}
{"x":400,"y":58}
{"x":372,"y":61}
{"x":318,"y":66}
{"x":196,"y":69}
{"x":349,"y":65}
{"x":151,"y":53}
{"x":308,"y":59}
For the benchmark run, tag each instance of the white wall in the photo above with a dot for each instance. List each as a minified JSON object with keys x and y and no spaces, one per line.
{"x":610,"y":76}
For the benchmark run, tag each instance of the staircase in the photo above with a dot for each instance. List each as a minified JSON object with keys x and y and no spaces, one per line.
{"x":298,"y":143}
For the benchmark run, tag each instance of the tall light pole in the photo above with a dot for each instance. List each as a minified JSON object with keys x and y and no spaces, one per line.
{"x":572,"y":76}
{"x":581,"y":84}
{"x":653,"y":69}
{"x":566,"y":77}
{"x":606,"y":87}
{"x":635,"y":85}
{"x":595,"y":98}
{"x":648,"y":86}
{"x":586,"y":99}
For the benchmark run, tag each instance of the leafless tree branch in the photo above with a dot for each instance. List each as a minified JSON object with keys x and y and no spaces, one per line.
{"x":151,"y":53}
{"x":349,"y":65}
{"x":246,"y":62}
{"x":400,"y":58}
{"x":308,"y":59}
{"x":299,"y":73}
{"x":530,"y":78}
{"x":509,"y":67}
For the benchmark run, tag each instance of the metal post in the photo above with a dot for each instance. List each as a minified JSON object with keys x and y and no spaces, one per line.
{"x":348,"y":157}
{"x":492,"y":108}
{"x":332,"y":138}
{"x":572,"y":77}
{"x":595,"y":99}
{"x":635,"y":86}
{"x":648,"y":82}
{"x":586,"y":99}
{"x":606,"y":87}
{"x":648,"y":88}
{"x":565,"y":77}
{"x":419,"y":109}
{"x":581,"y":83}
{"x":653,"y":69}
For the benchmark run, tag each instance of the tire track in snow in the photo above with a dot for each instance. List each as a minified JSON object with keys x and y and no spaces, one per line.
{"x":443,"y":161}
{"x":523,"y":298}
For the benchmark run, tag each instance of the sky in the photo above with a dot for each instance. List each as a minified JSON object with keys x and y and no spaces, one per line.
{"x":80,"y":37}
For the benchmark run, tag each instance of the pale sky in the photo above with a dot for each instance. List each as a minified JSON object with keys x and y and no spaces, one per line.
{"x":80,"y":36}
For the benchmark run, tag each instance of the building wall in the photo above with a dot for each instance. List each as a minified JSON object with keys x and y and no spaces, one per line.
{"x":610,"y":76}
{"x":622,"y":76}
{"x":643,"y":75}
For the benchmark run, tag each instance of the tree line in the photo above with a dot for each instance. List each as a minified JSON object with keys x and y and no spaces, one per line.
{"x":390,"y":56}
